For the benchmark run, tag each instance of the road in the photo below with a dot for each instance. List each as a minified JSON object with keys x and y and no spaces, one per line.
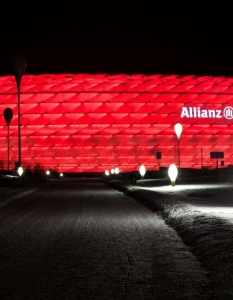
{"x":79,"y":239}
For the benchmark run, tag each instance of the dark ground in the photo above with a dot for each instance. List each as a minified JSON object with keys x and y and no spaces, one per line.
{"x":79,"y":239}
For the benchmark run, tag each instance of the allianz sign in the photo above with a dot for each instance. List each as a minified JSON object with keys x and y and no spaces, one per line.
{"x":197,"y":112}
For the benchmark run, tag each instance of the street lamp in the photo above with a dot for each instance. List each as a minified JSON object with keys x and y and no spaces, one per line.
{"x":178,"y":130}
{"x":20,"y":171}
{"x":19,"y":65}
{"x":142,"y":171}
{"x":107,"y":174}
{"x":116,"y":170}
{"x":172,"y":173}
{"x":8,"y":114}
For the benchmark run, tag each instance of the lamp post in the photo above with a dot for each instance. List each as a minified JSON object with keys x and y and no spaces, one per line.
{"x":48,"y":174}
{"x":20,"y":171}
{"x":107,"y":174}
{"x":8,"y":114}
{"x":142,"y":171}
{"x":116,"y":170}
{"x":19,"y":65}
{"x":172,"y":173}
{"x":178,"y":130}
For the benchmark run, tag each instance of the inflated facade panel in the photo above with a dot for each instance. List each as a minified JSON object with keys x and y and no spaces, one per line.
{"x":92,"y":123}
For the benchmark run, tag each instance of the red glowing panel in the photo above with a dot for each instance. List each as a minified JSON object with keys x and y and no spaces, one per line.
{"x":134,"y":129}
{"x":113,"y":129}
{"x":84,"y":107}
{"x":147,"y":108}
{"x":92,"y":129}
{"x":144,"y":98}
{"x":123,"y":97}
{"x":150,"y":118}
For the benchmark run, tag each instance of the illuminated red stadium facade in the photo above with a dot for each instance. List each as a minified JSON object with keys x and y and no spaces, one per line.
{"x":90,"y":123}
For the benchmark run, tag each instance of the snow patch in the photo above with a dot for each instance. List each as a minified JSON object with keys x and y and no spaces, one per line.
{"x":208,"y":237}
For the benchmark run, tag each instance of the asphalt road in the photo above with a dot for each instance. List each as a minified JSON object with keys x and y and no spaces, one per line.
{"x":80,"y":239}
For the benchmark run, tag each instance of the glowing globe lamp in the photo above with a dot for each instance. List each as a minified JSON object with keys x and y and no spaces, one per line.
{"x":20,"y":171}
{"x":47,"y":172}
{"x":116,"y":170}
{"x":106,"y":173}
{"x":178,"y":129}
{"x":172,"y":173}
{"x":61,"y":174}
{"x":112,"y":171}
{"x":142,"y":171}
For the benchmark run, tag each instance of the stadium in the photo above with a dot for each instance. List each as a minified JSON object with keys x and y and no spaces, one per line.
{"x":93,"y":123}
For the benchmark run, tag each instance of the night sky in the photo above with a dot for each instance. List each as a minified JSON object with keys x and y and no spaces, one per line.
{"x":151,"y":37}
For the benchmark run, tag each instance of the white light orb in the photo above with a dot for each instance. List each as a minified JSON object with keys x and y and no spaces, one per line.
{"x":117,"y":170}
{"x":112,"y":171}
{"x":172,"y":173}
{"x":20,"y":171}
{"x":107,"y":173}
{"x":47,"y":172}
{"x":142,"y":171}
{"x":61,"y":174}
{"x":178,"y":129}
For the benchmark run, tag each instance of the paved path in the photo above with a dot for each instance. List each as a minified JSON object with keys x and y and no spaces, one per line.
{"x":82,"y":240}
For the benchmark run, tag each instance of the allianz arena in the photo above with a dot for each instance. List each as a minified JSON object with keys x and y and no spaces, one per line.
{"x":91,"y":123}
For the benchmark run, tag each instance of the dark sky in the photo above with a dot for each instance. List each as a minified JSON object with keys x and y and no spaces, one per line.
{"x":148,"y":37}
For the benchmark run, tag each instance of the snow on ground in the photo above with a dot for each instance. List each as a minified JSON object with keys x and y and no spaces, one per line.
{"x":215,"y":199}
{"x":201,"y":215}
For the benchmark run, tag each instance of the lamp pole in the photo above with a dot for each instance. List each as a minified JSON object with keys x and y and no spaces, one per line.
{"x":8,"y":114}
{"x":19,"y":65}
{"x":178,"y":130}
{"x":179,"y":153}
{"x":201,"y":159}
